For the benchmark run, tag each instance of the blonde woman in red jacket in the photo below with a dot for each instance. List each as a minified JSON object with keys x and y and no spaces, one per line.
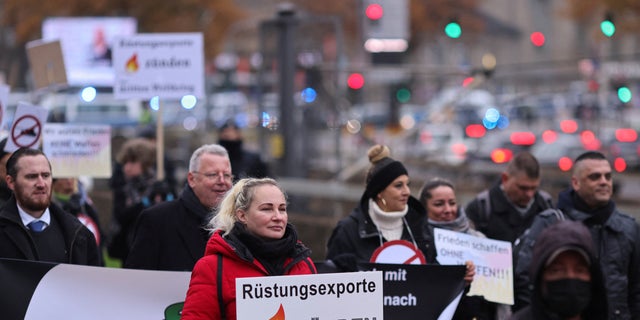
{"x":251,"y":238}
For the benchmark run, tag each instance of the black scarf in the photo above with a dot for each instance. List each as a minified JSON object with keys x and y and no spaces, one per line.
{"x":598,"y":216}
{"x":270,"y":253}
{"x":194,"y":205}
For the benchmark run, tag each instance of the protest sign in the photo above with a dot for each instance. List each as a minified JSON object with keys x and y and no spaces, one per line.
{"x":167,"y":65}
{"x":78,"y":150}
{"x":26,"y":130}
{"x":431,"y":291}
{"x":492,"y":258}
{"x":356,"y":295}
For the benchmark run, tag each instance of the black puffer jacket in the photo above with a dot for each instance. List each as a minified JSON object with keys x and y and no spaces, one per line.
{"x":356,"y":237}
{"x":617,"y":243}
{"x":563,"y":234}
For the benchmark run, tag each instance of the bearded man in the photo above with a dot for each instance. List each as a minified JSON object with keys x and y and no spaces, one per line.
{"x":34,"y":228}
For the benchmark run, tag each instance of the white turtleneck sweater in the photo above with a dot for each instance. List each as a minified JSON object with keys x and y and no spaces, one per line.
{"x":389,"y":224}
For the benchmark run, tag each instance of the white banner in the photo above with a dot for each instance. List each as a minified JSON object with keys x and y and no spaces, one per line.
{"x":492,"y":258}
{"x":167,"y":65}
{"x":356,"y":295}
{"x":78,"y":150}
{"x":39,"y":290}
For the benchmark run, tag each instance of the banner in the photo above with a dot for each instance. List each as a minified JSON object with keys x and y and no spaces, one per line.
{"x":38,"y":290}
{"x":420,"y":291}
{"x":492,"y":258}
{"x":78,"y":150}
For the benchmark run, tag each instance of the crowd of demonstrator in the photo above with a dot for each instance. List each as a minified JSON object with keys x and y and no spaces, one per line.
{"x":577,"y":259}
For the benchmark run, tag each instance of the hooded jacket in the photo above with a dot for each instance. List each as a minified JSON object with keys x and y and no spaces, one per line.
{"x":203,"y":301}
{"x":356,"y":237}
{"x":617,"y":248}
{"x":560,"y":235}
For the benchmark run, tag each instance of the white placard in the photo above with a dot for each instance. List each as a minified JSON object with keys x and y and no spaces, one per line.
{"x":27,"y":127}
{"x":167,"y":65}
{"x":352,"y":295}
{"x":78,"y":150}
{"x":492,"y":258}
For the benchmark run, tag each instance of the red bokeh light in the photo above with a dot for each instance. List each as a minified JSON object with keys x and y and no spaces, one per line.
{"x":568,"y":126}
{"x":619,"y":164}
{"x":537,"y":38}
{"x":626,"y":135}
{"x":549,"y":136}
{"x":374,"y":11}
{"x":467,"y":81}
{"x":523,"y":138}
{"x":355,"y":81}
{"x":475,"y":131}
{"x":501,"y":155}
{"x":565,"y":163}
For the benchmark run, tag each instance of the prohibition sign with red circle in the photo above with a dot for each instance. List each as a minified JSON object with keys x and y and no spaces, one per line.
{"x":400,"y":251}
{"x":32,"y":130}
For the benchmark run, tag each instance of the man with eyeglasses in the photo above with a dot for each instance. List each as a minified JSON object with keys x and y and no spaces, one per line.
{"x":616,"y":236}
{"x":171,"y":235}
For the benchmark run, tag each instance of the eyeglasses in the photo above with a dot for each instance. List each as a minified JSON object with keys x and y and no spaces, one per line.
{"x":227,"y":177}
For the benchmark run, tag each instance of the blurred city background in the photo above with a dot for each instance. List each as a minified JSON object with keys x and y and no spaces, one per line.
{"x":454,"y":87}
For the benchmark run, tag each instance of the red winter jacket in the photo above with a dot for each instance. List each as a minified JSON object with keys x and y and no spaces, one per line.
{"x":202,"y":297}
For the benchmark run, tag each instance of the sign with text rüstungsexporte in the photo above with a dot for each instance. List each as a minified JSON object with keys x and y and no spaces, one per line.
{"x":352,"y":295}
{"x":167,"y":65}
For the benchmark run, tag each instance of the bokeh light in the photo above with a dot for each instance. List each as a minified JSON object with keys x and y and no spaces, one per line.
{"x":565,"y":163}
{"x":188,"y":101}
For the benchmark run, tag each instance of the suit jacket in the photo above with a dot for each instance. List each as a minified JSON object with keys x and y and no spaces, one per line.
{"x":170,"y":236}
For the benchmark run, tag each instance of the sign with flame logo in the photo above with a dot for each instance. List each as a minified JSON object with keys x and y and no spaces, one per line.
{"x":356,"y":295}
{"x":167,"y":65}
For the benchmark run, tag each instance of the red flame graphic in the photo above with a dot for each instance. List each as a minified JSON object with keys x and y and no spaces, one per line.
{"x":132,"y":64}
{"x":279,"y":315}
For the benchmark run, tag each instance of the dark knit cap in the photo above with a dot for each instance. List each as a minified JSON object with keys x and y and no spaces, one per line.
{"x":383,"y":170}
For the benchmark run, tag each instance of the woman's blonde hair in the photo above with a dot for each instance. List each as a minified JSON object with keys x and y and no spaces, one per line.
{"x":237,"y":198}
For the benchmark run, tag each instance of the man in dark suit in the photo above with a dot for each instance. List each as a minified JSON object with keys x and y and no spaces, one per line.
{"x":31,"y":226}
{"x":171,"y":235}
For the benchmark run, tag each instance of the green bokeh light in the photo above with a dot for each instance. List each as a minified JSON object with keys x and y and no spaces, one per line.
{"x":453,"y":30}
{"x":624,"y":94}
{"x":608,"y":28}
{"x":403,"y":95}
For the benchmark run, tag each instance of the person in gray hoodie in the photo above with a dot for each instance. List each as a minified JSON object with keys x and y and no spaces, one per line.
{"x":567,"y":279}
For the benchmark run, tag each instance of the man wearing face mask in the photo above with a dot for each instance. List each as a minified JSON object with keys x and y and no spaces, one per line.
{"x":567,"y":279}
{"x":244,"y":163}
{"x":615,"y":235}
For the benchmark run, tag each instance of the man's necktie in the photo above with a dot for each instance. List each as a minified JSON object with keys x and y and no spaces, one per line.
{"x":37,"y":225}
